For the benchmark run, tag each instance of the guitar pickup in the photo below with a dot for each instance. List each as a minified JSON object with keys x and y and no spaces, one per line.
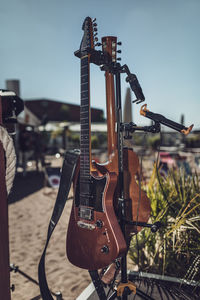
{"x":86,"y":225}
{"x":86,"y":213}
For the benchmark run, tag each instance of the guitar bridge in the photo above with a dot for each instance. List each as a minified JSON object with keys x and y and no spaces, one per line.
{"x":86,"y":213}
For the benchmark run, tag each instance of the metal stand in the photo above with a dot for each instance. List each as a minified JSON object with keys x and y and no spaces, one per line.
{"x":16,"y":269}
{"x":126,"y":287}
{"x":106,"y":64}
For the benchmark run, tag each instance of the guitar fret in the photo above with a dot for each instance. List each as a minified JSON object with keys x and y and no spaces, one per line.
{"x":84,"y":66}
{"x":85,"y":89}
{"x":84,"y":110}
{"x":85,"y":140}
{"x":85,"y":133}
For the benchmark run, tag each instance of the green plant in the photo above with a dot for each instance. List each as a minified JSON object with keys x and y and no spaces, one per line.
{"x":175,"y":202}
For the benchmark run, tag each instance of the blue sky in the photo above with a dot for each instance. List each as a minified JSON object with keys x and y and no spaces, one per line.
{"x":160,"y":44}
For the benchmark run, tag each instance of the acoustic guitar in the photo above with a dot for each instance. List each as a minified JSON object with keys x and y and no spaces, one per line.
{"x":94,"y":237}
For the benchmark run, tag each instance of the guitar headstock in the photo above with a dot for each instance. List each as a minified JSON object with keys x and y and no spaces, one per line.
{"x":89,"y":37}
{"x":109,"y":47}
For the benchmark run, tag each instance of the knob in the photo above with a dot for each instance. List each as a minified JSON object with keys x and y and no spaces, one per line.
{"x":104,"y":249}
{"x":99,"y":223}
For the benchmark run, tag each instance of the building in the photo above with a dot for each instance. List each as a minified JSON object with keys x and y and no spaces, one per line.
{"x":47,"y":110}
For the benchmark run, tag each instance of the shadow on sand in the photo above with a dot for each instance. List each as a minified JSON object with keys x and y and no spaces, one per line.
{"x":26,"y":185}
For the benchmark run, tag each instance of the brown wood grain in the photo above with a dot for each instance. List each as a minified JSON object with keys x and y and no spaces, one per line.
{"x":83,"y":245}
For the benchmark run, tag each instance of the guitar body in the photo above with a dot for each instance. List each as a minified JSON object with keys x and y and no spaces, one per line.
{"x":96,"y":240}
{"x":139,"y":209}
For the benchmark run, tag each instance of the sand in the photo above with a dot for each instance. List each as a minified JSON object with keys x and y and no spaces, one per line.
{"x":30,"y":209}
{"x":28,"y":222}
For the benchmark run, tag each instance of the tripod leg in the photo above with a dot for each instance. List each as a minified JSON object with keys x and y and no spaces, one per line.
{"x":98,"y":284}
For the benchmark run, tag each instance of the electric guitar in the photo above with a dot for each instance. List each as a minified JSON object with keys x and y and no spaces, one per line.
{"x":94,"y":237}
{"x":137,"y":204}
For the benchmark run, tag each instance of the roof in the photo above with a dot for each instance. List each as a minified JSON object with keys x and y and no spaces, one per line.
{"x":51,"y":110}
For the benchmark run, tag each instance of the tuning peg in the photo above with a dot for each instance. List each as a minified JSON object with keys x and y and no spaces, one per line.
{"x":95,"y":25}
{"x":95,"y":29}
{"x":96,"y":39}
{"x":119,"y":58}
{"x":93,"y":20}
{"x":119,"y":43}
{"x":119,"y":51}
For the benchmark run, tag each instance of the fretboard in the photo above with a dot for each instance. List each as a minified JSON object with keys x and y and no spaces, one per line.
{"x":85,"y":123}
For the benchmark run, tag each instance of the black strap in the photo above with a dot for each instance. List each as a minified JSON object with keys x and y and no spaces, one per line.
{"x":68,"y":168}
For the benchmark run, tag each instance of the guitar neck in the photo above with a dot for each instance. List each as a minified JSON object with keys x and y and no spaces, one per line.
{"x":85,"y":121}
{"x":109,"y":44}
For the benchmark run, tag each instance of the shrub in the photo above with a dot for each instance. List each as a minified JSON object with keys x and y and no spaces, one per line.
{"x":175,"y":202}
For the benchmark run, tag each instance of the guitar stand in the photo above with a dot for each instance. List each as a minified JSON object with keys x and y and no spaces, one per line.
{"x":99,"y":58}
{"x":126,"y":287}
{"x":16,"y":269}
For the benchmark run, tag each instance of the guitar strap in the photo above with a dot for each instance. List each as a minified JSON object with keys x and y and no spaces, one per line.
{"x":68,"y":169}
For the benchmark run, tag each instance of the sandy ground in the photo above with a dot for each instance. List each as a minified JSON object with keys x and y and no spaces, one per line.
{"x":30,"y":209}
{"x":28,"y":223}
{"x":28,"y":220}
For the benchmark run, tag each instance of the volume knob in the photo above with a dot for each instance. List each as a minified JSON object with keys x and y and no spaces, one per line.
{"x":104,"y":249}
{"x":99,"y":223}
